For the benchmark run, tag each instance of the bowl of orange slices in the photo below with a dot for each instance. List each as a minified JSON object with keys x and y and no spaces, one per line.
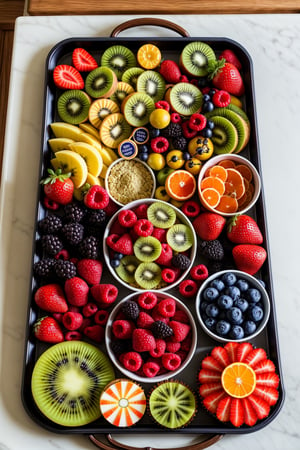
{"x":228,"y":185}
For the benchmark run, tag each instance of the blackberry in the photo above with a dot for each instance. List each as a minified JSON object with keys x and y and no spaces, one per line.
{"x":73,"y":212}
{"x":181,"y":261}
{"x":131,"y":310}
{"x":96,"y":217}
{"x":44,"y":267}
{"x":173,"y":130}
{"x":161,"y":330}
{"x":65,"y":269}
{"x":120,"y":346}
{"x":212,"y":250}
{"x":51,"y":244}
{"x":180,"y":143}
{"x":73,"y":233}
{"x":50,"y":224}
{"x":89,"y":247}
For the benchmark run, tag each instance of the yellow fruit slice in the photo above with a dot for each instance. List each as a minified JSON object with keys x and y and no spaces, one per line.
{"x":69,"y":161}
{"x":66,"y":130}
{"x":92,"y":158}
{"x":106,"y":156}
{"x":91,"y":180}
{"x":149,"y":56}
{"x":57,"y":144}
{"x":238,"y":380}
{"x":88,"y":128}
{"x":103,"y":171}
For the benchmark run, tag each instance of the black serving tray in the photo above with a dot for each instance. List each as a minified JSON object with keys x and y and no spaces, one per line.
{"x":203,"y":423}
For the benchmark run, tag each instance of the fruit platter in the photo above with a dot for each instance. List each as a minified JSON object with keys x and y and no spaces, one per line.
{"x":151,"y":305}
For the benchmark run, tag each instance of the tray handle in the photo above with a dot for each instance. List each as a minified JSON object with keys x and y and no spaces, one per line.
{"x":149,"y":21}
{"x":212,"y":439}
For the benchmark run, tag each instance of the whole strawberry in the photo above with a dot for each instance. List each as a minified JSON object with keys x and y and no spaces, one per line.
{"x":248,"y":257}
{"x":170,"y":71}
{"x":226,"y":76}
{"x":231,"y":57}
{"x":51,"y":298}
{"x":208,"y":226}
{"x":243,"y":229}
{"x":58,"y":186}
{"x":48,"y":329}
{"x":90,"y":270}
{"x":77,"y":291}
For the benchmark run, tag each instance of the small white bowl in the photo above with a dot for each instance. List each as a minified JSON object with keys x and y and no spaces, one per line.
{"x":253,"y":282}
{"x":182,"y":218}
{"x":128,"y":189}
{"x":237,"y":159}
{"x":164,"y":376}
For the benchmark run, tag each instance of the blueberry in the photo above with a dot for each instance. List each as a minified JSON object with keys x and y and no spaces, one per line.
{"x":233,"y":292}
{"x":234,"y":315}
{"x":115,"y":263}
{"x":154,"y":132}
{"x":256,"y":313}
{"x":186,"y":156}
{"x":218,"y":284}
{"x":207,"y":132}
{"x":210,"y":323}
{"x":225,"y":301}
{"x":253,"y":295}
{"x":249,"y":327}
{"x":206,"y":98}
{"x":241,"y":303}
{"x":242,"y":284}
{"x":118,"y":255}
{"x":222,"y":327}
{"x":236,"y":332}
{"x":212,"y":310}
{"x":208,"y":106}
{"x":210,"y":124}
{"x":210,"y":294}
{"x":262,"y":283}
{"x":203,"y":306}
{"x":143,"y":156}
{"x":143,"y":148}
{"x":229,"y":278}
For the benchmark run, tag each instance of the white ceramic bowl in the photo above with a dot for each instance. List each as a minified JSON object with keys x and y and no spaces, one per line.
{"x":237,"y":159}
{"x":166,"y":375}
{"x":253,"y":282}
{"x":182,"y":218}
{"x":128,"y":163}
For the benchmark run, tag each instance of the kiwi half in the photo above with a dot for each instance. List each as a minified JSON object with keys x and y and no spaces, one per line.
{"x":127,"y":267}
{"x":101,"y":108}
{"x":180,"y":237}
{"x":147,"y":248}
{"x":185,"y":98}
{"x":118,"y":58}
{"x":67,"y":381}
{"x":131,"y":75}
{"x":114,"y":129}
{"x":148,"y":275}
{"x":225,"y":136}
{"x":161,"y":215}
{"x":195,"y":57}
{"x":101,"y":82}
{"x":137,"y":108}
{"x":152,"y":83}
{"x":73,"y":106}
{"x":172,"y":404}
{"x":123,"y":89}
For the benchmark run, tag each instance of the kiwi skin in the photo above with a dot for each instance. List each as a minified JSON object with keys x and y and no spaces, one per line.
{"x":225,"y":135}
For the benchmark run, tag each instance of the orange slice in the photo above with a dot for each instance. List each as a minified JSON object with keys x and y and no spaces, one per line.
{"x":149,"y":56}
{"x":219,"y":172}
{"x":245,"y":171}
{"x":211,"y":196}
{"x":234,"y":184}
{"x":213,"y":182}
{"x":227,"y":164}
{"x":227,"y":204}
{"x":180,"y":185}
{"x":238,"y":380}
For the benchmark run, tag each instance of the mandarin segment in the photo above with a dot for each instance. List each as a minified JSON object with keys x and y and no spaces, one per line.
{"x":245,"y":171}
{"x":227,"y":164}
{"x":213,"y":182}
{"x":218,"y":172}
{"x":211,"y":197}
{"x":234,"y":184}
{"x":149,"y":56}
{"x":227,"y":204}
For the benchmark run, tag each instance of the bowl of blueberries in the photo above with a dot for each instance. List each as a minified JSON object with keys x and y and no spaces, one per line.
{"x":232,"y":305}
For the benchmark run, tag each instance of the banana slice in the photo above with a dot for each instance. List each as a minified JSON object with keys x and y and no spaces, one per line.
{"x":88,"y":128}
{"x":91,"y":156}
{"x":70,"y":161}
{"x":66,"y":130}
{"x":91,"y":180}
{"x":57,"y":144}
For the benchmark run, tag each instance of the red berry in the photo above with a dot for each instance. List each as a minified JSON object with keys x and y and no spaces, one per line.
{"x":51,"y":298}
{"x":208,"y":226}
{"x":58,"y":187}
{"x":159,"y":144}
{"x":105,"y":294}
{"x":160,"y":348}
{"x":160,"y":234}
{"x":141,"y":211}
{"x":72,"y":320}
{"x":187,"y":130}
{"x":172,"y":347}
{"x":77,"y":291}
{"x":221,"y":99}
{"x":171,"y":361}
{"x":188,"y":288}
{"x":63,"y":254}
{"x":162,"y":104}
{"x":181,"y":316}
{"x":89,"y":309}
{"x":166,"y":255}
{"x":132,"y":361}
{"x":142,"y":340}
{"x":183,"y":79}
{"x":48,"y":329}
{"x":95,"y":333}
{"x":123,"y":329}
{"x":143,"y":227}
{"x":120,"y":244}
{"x":167,"y":307}
{"x":147,"y":300}
{"x":101,"y":317}
{"x":199,"y":272}
{"x":83,"y":60}
{"x":197,"y":122}
{"x":180,"y":330}
{"x":90,"y":270}
{"x":168,"y":275}
{"x":176,"y":118}
{"x":127,"y":218}
{"x":96,"y":197}
{"x":111,"y":208}
{"x":73,"y":336}
{"x":67,"y":77}
{"x":151,"y":369}
{"x":50,"y":204}
{"x":144,"y":320}
{"x":191,"y":208}
{"x":231,"y":57}
{"x":170,"y":71}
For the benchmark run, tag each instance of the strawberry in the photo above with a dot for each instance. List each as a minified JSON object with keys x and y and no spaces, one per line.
{"x":221,"y":355}
{"x":72,"y":320}
{"x":120,"y":244}
{"x":209,"y":376}
{"x":208,"y":226}
{"x":248,"y":257}
{"x":166,"y":255}
{"x":223,"y":409}
{"x":209,"y":362}
{"x":269,"y":394}
{"x":90,"y":270}
{"x":212,"y":400}
{"x":83,"y":60}
{"x":226,"y":76}
{"x":255,"y":356}
{"x":243,"y":350}
{"x":264,"y":366}
{"x":231,"y":348}
{"x":180,"y":330}
{"x":208,"y":388}
{"x":170,"y":71}
{"x":236,"y":412}
{"x":260,"y":406}
{"x":48,"y":329}
{"x":268,"y":380}
{"x":58,"y":187}
{"x":96,"y":197}
{"x":104,"y":294}
{"x":250,"y":416}
{"x":51,"y":298}
{"x":231,"y":57}
{"x":243,"y":229}
{"x":67,"y":77}
{"x":77,"y":291}
{"x":143,"y":340}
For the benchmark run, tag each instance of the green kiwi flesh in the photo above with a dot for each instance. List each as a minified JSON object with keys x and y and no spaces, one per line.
{"x":101,"y":82}
{"x":123,"y":89}
{"x":195,"y":58}
{"x":185,"y":98}
{"x":73,"y":106}
{"x":67,"y":381}
{"x":131,"y":75}
{"x":138,"y":108}
{"x":147,"y":248}
{"x":180,"y":237}
{"x":225,"y":136}
{"x":161,"y":215}
{"x":172,"y":404}
{"x":152,"y":83}
{"x":118,"y":58}
{"x":148,"y":275}
{"x":127,"y":267}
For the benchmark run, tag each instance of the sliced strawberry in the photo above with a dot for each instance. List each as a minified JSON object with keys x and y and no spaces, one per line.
{"x":269,"y":394}
{"x":264,"y":366}
{"x":260,"y":406}
{"x":231,"y":348}
{"x":212,"y":364}
{"x":83,"y":60}
{"x":223,"y":409}
{"x":250,"y":417}
{"x":236,"y":412}
{"x":243,"y":351}
{"x":67,"y":77}
{"x":268,"y":379}
{"x":221,"y":355}
{"x":256,"y":355}
{"x":211,"y":401}
{"x":208,"y":376}
{"x":208,"y":388}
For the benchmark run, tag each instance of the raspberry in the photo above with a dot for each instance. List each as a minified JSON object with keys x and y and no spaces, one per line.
{"x":221,"y":99}
{"x":131,"y":361}
{"x":167,"y":307}
{"x":143,"y":227}
{"x":50,"y":224}
{"x":141,"y":211}
{"x":159,"y":144}
{"x":130,"y":309}
{"x":160,"y":234}
{"x":96,"y":197}
{"x":64,"y":255}
{"x":171,"y":361}
{"x":165,"y":256}
{"x":111,"y":208}
{"x":186,"y":343}
{"x":123,"y":329}
{"x":144,"y":320}
{"x":72,"y":320}
{"x":89,"y":309}
{"x":105,"y":294}
{"x":187,"y":130}
{"x":101,"y":316}
{"x":85,"y":323}
{"x":151,"y":369}
{"x":181,"y":316}
{"x":172,"y":347}
{"x":161,"y":330}
{"x":162,"y":104}
{"x":191,"y":208}
{"x":197,"y":122}
{"x":188,"y":288}
{"x":50,"y":204}
{"x":180,"y":330}
{"x":168,"y":275}
{"x":120,"y":244}
{"x":199,"y":272}
{"x":176,"y":118}
{"x":95,"y":333}
{"x":127,"y":218}
{"x":143,"y":340}
{"x":147,"y":300}
{"x":157,"y":316}
{"x":73,"y":336}
{"x":160,"y":348}
{"x":51,"y":244}
{"x":181,"y":261}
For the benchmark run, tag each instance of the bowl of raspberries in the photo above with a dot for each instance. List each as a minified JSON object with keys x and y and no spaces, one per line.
{"x":150,"y":336}
{"x":149,"y":244}
{"x":232,"y":305}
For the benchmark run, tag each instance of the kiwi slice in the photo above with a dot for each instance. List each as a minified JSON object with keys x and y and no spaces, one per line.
{"x":114,"y":129}
{"x":67,"y":381}
{"x":137,"y":108}
{"x":195,"y":58}
{"x":147,"y":248}
{"x":185,"y":98}
{"x":131,"y":75}
{"x":123,"y":89}
{"x":73,"y":106}
{"x":101,"y":82}
{"x":172,"y":404}
{"x":118,"y":58}
{"x":148,"y":275}
{"x":240,"y":124}
{"x":225,"y":136}
{"x":127,"y":267}
{"x":101,"y":108}
{"x":239,"y":111}
{"x":180,"y":237}
{"x":161,"y":215}
{"x":152,"y":83}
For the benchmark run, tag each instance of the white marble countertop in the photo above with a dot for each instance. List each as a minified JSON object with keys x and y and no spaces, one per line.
{"x":273,"y":42}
